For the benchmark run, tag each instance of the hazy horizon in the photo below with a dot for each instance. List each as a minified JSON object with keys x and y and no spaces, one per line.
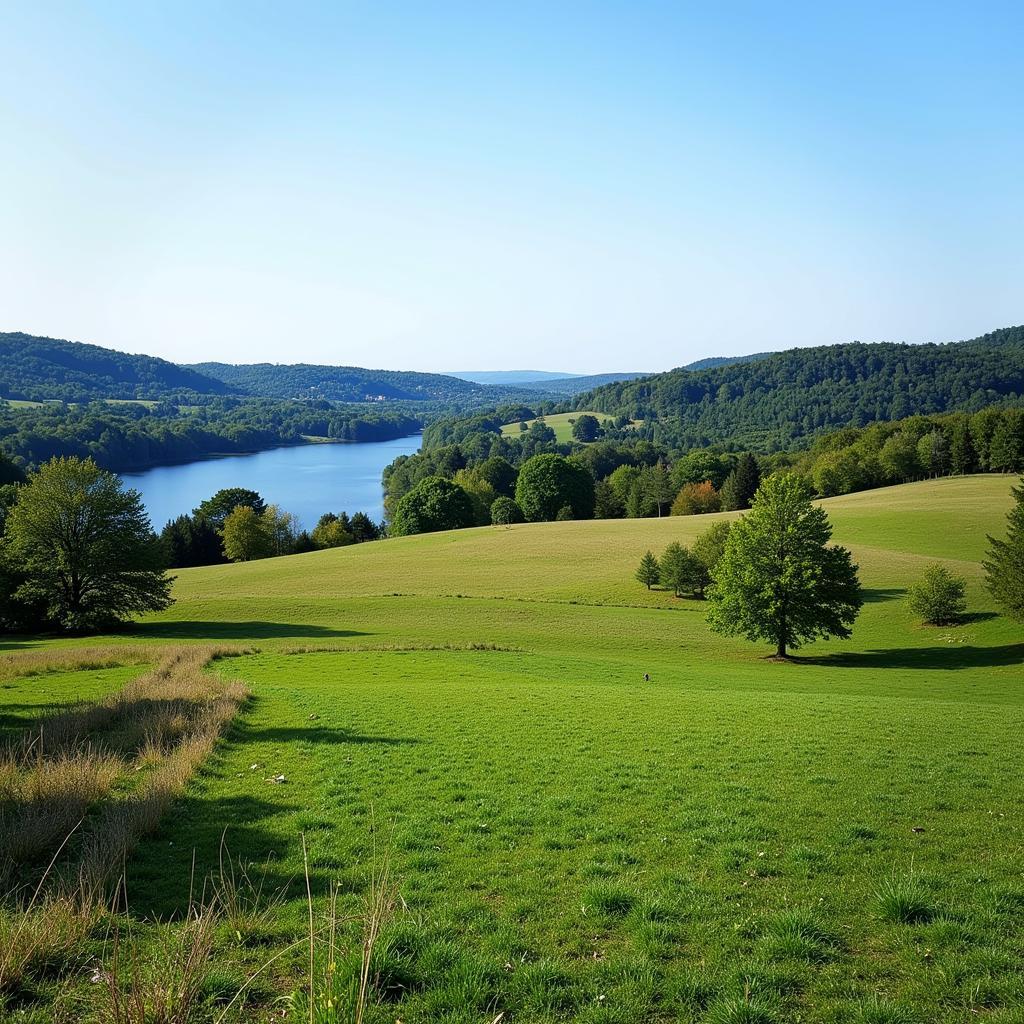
{"x":608,"y":188}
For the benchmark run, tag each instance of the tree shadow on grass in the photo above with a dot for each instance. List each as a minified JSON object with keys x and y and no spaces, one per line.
{"x":242,"y":732}
{"x":948,"y":657}
{"x":187,"y":629}
{"x":162,"y":872}
{"x":875,"y":595}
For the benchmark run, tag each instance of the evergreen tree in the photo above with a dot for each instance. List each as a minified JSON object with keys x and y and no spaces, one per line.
{"x":1004,"y":566}
{"x":962,"y":456}
{"x":648,"y":573}
{"x":741,"y":484}
{"x":363,"y":528}
{"x":778,"y":578}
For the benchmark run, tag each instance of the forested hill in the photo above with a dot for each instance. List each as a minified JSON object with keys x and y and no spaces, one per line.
{"x":43,"y":369}
{"x":776,"y":401}
{"x":344,"y":383}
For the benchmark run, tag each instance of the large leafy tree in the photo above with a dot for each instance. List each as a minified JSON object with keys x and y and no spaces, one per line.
{"x":433,"y":504}
{"x":216,"y":509}
{"x":779,"y":579}
{"x":1004,"y":566}
{"x":248,"y":535}
{"x":547,"y":483}
{"x":84,"y":547}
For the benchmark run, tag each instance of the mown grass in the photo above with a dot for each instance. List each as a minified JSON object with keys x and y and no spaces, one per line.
{"x":560,"y":422}
{"x":836,"y":839}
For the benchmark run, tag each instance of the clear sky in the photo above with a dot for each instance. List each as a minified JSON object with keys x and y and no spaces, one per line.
{"x":585,"y":187}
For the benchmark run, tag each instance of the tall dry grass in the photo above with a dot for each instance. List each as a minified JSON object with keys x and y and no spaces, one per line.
{"x":14,"y":664}
{"x":83,"y":786}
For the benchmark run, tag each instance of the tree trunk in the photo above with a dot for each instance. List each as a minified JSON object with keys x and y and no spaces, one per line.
{"x":781,"y":650}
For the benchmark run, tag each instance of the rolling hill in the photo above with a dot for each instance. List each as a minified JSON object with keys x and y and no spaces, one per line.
{"x":781,"y":399}
{"x":344,"y":383}
{"x":570,"y":841}
{"x":43,"y":369}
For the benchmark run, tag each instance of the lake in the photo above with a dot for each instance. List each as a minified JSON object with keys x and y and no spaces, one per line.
{"x":307,"y":479}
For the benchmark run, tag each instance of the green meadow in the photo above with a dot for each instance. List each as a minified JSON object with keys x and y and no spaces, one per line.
{"x":735,"y":840}
{"x":560,"y":422}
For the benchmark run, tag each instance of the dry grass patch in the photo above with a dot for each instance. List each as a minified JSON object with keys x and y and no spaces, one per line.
{"x":115,"y":765}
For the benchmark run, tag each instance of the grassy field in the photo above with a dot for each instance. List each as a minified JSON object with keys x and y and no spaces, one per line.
{"x":560,"y":422}
{"x":837,"y":839}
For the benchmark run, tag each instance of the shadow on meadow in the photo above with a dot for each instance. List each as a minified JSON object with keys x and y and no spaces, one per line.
{"x":875,"y":595}
{"x":243,"y":733}
{"x":189,"y":629}
{"x":186,"y":848}
{"x":948,"y":657}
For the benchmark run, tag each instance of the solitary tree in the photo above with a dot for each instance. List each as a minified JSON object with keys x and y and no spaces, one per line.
{"x":586,"y":428}
{"x":938,"y":597}
{"x":778,"y":579}
{"x":648,"y":572}
{"x":1004,"y":566}
{"x":85,"y":547}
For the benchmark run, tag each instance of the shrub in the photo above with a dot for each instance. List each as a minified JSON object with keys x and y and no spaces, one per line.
{"x":938,"y":597}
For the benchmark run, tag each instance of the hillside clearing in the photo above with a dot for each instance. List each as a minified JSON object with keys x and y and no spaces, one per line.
{"x":831,"y":840}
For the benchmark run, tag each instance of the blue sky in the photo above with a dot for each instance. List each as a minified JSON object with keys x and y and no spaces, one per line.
{"x":569,"y":186}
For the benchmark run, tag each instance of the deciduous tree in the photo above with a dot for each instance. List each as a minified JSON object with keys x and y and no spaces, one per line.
{"x":779,"y":579}
{"x":85,"y":546}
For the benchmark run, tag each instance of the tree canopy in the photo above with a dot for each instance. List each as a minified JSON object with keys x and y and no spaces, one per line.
{"x":84,"y":547}
{"x":433,"y":504}
{"x":778,"y":578}
{"x":548,"y":483}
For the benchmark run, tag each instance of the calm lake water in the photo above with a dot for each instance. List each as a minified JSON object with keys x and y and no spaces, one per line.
{"x":308,"y":479}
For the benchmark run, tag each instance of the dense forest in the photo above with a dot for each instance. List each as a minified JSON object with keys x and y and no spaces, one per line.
{"x":344,"y":383}
{"x":45,"y":369}
{"x":128,"y":437}
{"x":783,"y":400}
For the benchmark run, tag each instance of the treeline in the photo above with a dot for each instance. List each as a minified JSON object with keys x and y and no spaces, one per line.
{"x":989,"y":441}
{"x":343,"y":383}
{"x":784,"y":399}
{"x":237,"y":525}
{"x":130,"y":437}
{"x":630,"y":476}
